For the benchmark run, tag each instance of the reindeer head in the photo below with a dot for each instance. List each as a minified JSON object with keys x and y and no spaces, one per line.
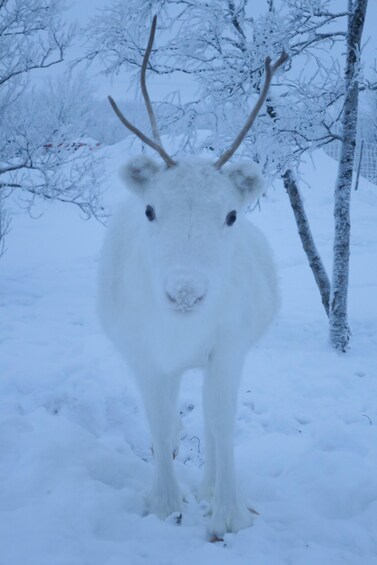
{"x":191,"y":215}
{"x":191,"y":209}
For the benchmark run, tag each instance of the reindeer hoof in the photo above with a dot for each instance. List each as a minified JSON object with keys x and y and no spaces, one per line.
{"x":229,"y":519}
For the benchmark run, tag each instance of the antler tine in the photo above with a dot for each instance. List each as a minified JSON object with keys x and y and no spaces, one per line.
{"x":156,"y":144}
{"x":152,"y":118}
{"x":168,"y":160}
{"x":269,"y":72}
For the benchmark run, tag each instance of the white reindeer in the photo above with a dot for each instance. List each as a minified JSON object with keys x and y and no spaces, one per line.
{"x":186,"y":281}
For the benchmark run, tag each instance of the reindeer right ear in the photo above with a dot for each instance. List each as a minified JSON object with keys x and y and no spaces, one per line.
{"x":139,"y":172}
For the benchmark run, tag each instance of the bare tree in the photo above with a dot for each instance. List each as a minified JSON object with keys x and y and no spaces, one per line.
{"x":45,"y":148}
{"x":339,"y":328}
{"x":39,"y":152}
{"x":334,"y":294}
{"x":33,"y":35}
{"x":307,"y":240}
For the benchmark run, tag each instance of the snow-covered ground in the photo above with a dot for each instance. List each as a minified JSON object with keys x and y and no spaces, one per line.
{"x":74,"y":447}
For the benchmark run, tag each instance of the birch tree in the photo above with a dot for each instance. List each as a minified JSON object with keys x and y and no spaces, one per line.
{"x":339,"y":328}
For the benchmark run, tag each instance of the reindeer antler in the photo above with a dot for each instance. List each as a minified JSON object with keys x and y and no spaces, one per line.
{"x":270,"y":71}
{"x":156,"y":144}
{"x":152,"y":118}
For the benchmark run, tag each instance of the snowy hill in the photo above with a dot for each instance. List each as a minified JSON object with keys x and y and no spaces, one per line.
{"x":74,"y":447}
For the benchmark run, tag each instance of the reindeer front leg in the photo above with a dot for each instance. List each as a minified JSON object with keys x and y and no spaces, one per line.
{"x":221,"y":381}
{"x":160,"y":402}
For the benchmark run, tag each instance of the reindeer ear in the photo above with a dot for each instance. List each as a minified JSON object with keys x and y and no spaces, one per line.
{"x":139,"y":172}
{"x":247,"y":178}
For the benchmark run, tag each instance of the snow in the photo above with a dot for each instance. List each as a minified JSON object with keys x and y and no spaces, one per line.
{"x":74,"y":446}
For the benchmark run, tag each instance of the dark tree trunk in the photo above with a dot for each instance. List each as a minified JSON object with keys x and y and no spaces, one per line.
{"x":315,"y":261}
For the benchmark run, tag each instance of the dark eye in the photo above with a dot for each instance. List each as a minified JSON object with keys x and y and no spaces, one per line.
{"x":231,"y":218}
{"x":150,"y":213}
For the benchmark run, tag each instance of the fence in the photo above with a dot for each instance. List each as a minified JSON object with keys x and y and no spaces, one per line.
{"x":364,"y":149}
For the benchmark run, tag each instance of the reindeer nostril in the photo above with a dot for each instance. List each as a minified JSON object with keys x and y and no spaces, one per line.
{"x":185,"y":297}
{"x":184,"y":294}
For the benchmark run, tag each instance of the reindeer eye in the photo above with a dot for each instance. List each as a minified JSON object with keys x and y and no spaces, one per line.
{"x":150,"y":213}
{"x":231,"y":218}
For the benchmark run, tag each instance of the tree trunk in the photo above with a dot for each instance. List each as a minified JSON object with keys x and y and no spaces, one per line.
{"x":307,"y":240}
{"x":339,"y":328}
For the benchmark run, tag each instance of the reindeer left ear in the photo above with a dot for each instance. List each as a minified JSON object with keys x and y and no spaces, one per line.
{"x":138,"y":173}
{"x":247,"y":178}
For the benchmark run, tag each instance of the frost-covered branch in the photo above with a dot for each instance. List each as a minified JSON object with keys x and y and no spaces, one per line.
{"x":32,"y":36}
{"x":45,"y":149}
{"x":223,"y":48}
{"x":43,"y":152}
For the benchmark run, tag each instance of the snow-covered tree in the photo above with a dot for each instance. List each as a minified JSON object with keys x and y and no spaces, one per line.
{"x":39,"y":151}
{"x":44,"y":147}
{"x":339,"y":329}
{"x":222,"y":45}
{"x":33,"y":35}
